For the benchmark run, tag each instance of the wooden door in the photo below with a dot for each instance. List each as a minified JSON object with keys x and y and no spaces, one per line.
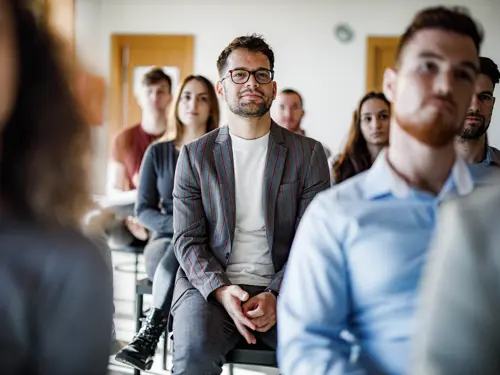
{"x":381,"y":54}
{"x":132,"y":56}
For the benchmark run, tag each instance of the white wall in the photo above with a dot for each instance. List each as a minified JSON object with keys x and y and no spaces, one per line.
{"x":329,"y":74}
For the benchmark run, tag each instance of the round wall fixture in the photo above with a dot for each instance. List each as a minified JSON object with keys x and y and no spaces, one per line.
{"x":344,"y":33}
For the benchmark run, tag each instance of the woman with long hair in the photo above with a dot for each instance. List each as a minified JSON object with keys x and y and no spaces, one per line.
{"x":368,"y":134}
{"x":195,"y":111}
{"x":56,"y":297}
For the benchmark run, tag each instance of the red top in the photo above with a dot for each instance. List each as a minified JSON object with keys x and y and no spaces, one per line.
{"x":128,"y":149}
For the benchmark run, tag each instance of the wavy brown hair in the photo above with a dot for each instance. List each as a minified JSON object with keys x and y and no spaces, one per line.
{"x":45,"y":143}
{"x":355,"y":157}
{"x":175,"y":126}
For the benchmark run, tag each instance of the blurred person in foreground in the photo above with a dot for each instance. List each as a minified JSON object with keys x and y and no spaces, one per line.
{"x":458,"y":328}
{"x":55,"y":286}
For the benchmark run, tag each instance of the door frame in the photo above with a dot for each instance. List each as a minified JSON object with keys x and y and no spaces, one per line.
{"x":117,"y":74}
{"x":373,"y":43}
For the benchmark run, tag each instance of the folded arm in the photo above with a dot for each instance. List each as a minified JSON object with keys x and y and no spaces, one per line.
{"x":147,"y":207}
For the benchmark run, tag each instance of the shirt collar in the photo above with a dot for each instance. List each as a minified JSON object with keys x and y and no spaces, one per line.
{"x":381,"y":180}
{"x":492,"y":156}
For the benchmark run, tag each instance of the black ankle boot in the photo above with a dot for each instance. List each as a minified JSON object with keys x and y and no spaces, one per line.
{"x":140,"y":352}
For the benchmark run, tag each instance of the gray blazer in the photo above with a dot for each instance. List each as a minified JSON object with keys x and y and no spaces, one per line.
{"x":459,"y":319}
{"x":204,"y":203}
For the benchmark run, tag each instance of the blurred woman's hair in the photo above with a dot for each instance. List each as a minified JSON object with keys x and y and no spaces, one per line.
{"x":355,"y":157}
{"x":45,"y":143}
{"x":175,"y":127}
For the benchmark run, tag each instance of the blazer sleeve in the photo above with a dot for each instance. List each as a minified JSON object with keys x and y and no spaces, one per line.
{"x":190,"y":240}
{"x":317,"y":179}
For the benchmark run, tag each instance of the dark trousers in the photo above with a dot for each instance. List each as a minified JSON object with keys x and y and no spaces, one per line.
{"x":154,"y":252}
{"x":204,"y":333}
{"x":164,"y":280}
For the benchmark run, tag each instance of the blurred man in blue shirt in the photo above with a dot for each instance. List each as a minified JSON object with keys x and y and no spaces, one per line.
{"x":357,"y":258}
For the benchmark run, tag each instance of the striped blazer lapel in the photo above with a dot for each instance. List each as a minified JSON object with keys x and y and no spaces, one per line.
{"x":275,"y":163}
{"x":223,"y":159}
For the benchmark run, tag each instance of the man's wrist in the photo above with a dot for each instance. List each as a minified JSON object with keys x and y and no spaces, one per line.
{"x":217,"y":293}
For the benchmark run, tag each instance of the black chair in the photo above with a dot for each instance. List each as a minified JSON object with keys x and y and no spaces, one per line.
{"x":135,"y":250}
{"x":144,"y":287}
{"x":245,"y":354}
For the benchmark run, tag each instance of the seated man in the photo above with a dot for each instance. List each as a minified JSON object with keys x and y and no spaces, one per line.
{"x":472,"y":143}
{"x":127,"y":151}
{"x":358,"y":255}
{"x":290,"y":114}
{"x":239,"y":194}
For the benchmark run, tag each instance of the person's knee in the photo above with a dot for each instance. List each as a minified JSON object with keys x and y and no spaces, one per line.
{"x":197,"y":356}
{"x":155,"y":254}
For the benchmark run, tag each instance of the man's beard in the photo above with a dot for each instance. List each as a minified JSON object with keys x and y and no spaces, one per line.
{"x":250,"y":109}
{"x":476,"y":132}
{"x":435,"y":131}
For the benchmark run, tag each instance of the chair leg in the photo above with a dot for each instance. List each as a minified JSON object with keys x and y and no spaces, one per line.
{"x":137,"y":372}
{"x":136,"y":268}
{"x":138,"y":311}
{"x":165,"y":350}
{"x":231,"y":369}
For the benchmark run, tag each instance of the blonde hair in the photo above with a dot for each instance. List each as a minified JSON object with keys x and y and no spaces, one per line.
{"x":175,"y":127}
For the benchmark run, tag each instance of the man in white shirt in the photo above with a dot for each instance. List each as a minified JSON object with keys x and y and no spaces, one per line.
{"x":239,"y":194}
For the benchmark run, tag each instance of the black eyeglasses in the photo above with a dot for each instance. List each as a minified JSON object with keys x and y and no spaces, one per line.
{"x":240,"y":76}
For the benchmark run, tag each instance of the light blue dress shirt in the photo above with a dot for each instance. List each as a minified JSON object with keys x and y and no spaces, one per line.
{"x":355,"y":267}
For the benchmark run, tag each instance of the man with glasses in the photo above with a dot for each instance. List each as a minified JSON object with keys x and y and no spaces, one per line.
{"x":239,"y":194}
{"x":472,"y":143}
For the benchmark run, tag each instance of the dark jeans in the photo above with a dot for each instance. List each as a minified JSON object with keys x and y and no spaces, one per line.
{"x":164,"y":280}
{"x":154,"y":252}
{"x":204,"y":333}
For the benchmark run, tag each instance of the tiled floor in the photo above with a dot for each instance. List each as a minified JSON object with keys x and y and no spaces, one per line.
{"x":124,"y":284}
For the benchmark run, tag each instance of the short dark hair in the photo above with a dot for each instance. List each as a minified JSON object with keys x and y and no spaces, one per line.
{"x":155,"y":76}
{"x":252,"y":43}
{"x":291,"y":92}
{"x":456,"y":19}
{"x":490,"y":69}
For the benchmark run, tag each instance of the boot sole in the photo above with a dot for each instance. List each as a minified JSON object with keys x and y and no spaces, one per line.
{"x":133,"y":362}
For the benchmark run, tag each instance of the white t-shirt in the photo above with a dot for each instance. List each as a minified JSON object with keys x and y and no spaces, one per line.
{"x":250,"y":262}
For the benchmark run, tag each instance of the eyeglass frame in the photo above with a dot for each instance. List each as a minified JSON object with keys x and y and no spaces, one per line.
{"x":250,"y":73}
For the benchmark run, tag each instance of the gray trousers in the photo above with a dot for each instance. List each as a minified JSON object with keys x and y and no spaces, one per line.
{"x":204,"y":333}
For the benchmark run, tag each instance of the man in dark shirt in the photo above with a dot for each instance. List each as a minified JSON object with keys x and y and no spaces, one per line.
{"x":472,"y":143}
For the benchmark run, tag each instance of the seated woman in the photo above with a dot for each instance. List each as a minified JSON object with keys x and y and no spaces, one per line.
{"x":369,"y":133}
{"x":56,"y":293}
{"x":195,"y":111}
